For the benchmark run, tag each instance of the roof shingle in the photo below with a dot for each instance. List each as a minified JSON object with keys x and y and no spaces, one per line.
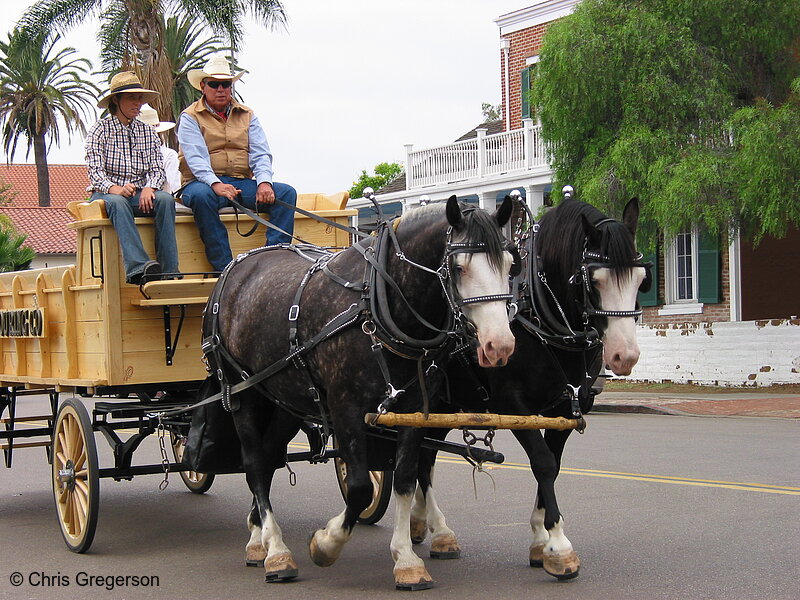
{"x":44,"y":225}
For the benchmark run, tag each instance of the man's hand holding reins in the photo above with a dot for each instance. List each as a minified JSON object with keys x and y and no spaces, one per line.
{"x":265,"y":194}
{"x":226,"y":190}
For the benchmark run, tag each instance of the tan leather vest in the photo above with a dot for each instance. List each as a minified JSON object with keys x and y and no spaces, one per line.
{"x":228,"y":140}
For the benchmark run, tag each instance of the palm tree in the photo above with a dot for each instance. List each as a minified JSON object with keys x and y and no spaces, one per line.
{"x":142,"y":24}
{"x":13,"y":255}
{"x":37,"y":89}
{"x":186,"y":46}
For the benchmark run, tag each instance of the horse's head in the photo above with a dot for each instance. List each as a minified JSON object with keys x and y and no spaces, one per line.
{"x":615,"y":276}
{"x":479,"y":265}
{"x":595,"y":272}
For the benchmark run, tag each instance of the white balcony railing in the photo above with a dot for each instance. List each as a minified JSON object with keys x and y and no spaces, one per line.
{"x":483,"y":157}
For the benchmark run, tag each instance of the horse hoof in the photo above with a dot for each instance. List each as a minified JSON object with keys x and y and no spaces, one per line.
{"x":419,"y":529}
{"x":445,"y":546}
{"x":320,"y":558}
{"x":562,"y":566}
{"x":255,"y":556}
{"x":412,"y":579}
{"x":537,"y":555}
{"x":280,"y":568}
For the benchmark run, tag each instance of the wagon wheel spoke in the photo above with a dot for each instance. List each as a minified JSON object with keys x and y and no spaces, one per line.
{"x":77,"y":442}
{"x":82,"y":507}
{"x":62,"y":447}
{"x":82,"y":486}
{"x":81,"y":460}
{"x":63,"y":495}
{"x":69,"y":514}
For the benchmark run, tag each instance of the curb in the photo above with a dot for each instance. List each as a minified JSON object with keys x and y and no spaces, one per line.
{"x":642,"y":409}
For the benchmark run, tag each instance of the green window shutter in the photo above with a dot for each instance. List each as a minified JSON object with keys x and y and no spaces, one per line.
{"x":525,"y":87}
{"x":708,"y":269}
{"x":650,"y":298}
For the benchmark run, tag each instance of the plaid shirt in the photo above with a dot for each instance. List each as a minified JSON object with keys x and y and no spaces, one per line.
{"x":117,"y":154}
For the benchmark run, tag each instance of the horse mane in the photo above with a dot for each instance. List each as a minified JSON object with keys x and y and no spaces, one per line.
{"x":480,"y":227}
{"x":561,"y":238}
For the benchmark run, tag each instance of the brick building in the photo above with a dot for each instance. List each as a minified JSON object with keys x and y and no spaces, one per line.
{"x":715,"y":314}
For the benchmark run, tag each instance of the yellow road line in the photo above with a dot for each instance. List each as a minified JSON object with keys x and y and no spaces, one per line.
{"x":731,"y":485}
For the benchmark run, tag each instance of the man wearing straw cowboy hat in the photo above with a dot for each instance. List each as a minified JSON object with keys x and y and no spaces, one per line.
{"x":223,"y":148}
{"x":149,"y":116}
{"x":126,"y":170}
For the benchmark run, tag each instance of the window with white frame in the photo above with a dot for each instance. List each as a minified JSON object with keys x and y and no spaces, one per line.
{"x":681,"y":277}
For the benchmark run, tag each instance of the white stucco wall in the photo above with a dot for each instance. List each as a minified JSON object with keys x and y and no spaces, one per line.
{"x":754,"y":353}
{"x":52,"y":260}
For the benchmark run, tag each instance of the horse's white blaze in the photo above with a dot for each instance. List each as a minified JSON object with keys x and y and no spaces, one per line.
{"x":402,"y":553}
{"x":620,"y":348}
{"x":272,"y":536}
{"x":332,"y":539}
{"x":558,"y":543}
{"x":540,"y":535}
{"x":479,"y":278}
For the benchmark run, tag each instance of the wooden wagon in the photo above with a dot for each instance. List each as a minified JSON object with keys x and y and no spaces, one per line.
{"x":80,"y":329}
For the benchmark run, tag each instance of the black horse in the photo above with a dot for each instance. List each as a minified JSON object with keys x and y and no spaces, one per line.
{"x":577,"y":309}
{"x":362,"y":326}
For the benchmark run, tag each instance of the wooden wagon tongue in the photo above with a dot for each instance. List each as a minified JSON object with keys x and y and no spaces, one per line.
{"x":457,"y":420}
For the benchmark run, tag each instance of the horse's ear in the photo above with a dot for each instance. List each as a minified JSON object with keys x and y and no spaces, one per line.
{"x":591,"y":232}
{"x":503,"y":214}
{"x":630,"y":215}
{"x":454,"y":216}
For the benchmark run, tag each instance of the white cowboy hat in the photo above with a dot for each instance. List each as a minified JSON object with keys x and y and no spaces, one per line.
{"x":148,"y":115}
{"x":126,"y":81}
{"x":216,"y":68}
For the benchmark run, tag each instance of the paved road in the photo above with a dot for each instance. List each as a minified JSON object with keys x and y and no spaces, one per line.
{"x":656,"y":506}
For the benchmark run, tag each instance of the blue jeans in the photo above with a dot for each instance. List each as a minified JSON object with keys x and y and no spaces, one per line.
{"x":205,"y":205}
{"x":122,"y":210}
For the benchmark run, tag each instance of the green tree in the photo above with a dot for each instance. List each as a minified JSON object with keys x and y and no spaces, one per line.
{"x":491,"y":112}
{"x":141,"y":24}
{"x":692,"y":105}
{"x":13,"y":255}
{"x":384,"y":173}
{"x":186,"y":46}
{"x":38,"y":88}
{"x":7,"y":193}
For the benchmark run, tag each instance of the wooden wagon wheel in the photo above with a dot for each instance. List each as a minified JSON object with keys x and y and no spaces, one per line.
{"x":198,"y":483}
{"x":76,"y":480}
{"x":381,"y":491}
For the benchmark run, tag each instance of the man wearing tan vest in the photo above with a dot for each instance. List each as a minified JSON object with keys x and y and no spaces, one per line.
{"x":223,"y":148}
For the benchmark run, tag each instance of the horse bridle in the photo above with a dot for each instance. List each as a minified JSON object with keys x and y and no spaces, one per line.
{"x":458,"y":325}
{"x":592,"y":260}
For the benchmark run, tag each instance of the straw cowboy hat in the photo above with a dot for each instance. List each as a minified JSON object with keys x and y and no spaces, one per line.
{"x":149,"y":116}
{"x":126,"y":81}
{"x":216,"y":68}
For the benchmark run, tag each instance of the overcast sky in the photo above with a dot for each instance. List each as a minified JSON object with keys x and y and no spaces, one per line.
{"x":348,"y":83}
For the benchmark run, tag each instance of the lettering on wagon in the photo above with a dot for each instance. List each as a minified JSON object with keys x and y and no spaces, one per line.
{"x":22,"y":323}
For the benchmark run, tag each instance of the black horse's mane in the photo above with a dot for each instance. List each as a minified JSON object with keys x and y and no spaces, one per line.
{"x":561,"y":237}
{"x":479,"y":228}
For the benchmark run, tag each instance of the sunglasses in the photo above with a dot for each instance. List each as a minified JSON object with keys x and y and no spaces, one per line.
{"x":219,"y":84}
